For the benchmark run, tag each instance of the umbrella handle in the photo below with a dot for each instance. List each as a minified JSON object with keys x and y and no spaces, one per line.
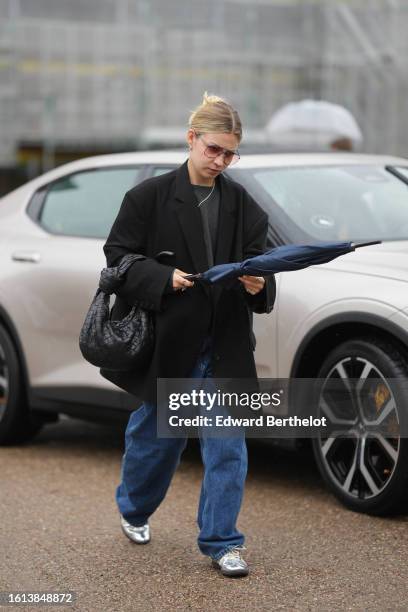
{"x":193,"y":276}
{"x":363,"y":244}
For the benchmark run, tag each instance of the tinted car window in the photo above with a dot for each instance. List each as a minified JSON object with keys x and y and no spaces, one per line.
{"x":86,"y":204}
{"x":159,"y":170}
{"x":402,"y":170}
{"x":348,"y":202}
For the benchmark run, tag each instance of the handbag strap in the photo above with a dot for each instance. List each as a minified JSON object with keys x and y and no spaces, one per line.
{"x":112,"y":278}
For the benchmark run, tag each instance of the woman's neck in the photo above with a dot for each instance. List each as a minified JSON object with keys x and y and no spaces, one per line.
{"x":196,"y":178}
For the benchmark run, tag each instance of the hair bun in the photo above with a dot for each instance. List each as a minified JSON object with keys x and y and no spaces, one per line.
{"x":212,"y":99}
{"x":216,"y":115}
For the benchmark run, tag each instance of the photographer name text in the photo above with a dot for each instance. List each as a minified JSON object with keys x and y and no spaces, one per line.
{"x":263,"y":420}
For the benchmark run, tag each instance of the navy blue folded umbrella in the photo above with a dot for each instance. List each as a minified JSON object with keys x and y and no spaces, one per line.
{"x":281,"y":259}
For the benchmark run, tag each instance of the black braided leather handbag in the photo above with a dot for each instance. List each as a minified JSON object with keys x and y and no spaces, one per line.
{"x":123,"y":344}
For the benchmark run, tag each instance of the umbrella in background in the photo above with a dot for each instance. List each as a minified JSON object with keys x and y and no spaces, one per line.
{"x":280,"y":259}
{"x":313,"y":122}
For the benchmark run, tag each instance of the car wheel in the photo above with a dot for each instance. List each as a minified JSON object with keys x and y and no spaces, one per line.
{"x":364,"y":463}
{"x":17,"y":423}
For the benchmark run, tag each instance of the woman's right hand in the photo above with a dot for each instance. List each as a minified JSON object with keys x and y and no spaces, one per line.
{"x":179,"y":282}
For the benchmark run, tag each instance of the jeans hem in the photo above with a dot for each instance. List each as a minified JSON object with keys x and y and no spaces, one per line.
{"x":224,"y":551}
{"x":132,"y":524}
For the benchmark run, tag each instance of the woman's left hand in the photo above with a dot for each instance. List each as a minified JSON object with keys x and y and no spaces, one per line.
{"x":252,"y":284}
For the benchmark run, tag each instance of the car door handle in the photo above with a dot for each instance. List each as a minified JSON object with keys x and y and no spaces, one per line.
{"x":26,"y":256}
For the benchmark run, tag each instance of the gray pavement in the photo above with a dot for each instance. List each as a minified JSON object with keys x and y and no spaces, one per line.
{"x":60,"y":531}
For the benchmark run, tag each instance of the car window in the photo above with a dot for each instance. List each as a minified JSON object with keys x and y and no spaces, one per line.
{"x":349,"y":202}
{"x":86,"y":204}
{"x":402,"y":170}
{"x":162,"y":170}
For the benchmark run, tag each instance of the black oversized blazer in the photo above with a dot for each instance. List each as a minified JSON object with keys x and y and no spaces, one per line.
{"x":161,"y":214}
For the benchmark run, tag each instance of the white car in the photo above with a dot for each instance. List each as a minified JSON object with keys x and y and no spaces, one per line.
{"x":344,"y":320}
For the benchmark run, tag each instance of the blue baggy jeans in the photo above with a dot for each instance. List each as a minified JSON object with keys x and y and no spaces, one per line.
{"x":149,"y":463}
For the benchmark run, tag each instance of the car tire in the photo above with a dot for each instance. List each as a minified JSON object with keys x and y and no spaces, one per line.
{"x":366,"y":471}
{"x":17,"y":423}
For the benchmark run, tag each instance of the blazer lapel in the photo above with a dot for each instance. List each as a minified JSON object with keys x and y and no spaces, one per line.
{"x":189,"y":217}
{"x":225,"y":231}
{"x":226,"y":222}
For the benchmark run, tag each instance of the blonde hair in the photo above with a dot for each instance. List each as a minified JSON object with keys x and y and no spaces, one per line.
{"x":215,"y":115}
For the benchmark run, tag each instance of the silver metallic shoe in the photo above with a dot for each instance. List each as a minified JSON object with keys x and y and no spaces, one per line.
{"x":232,"y":564}
{"x":140,"y":535}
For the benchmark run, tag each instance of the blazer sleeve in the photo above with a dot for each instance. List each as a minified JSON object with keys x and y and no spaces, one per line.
{"x":146,"y":279}
{"x":255,"y":237}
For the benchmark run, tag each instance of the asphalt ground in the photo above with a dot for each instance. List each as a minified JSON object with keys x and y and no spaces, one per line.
{"x":60,"y":532}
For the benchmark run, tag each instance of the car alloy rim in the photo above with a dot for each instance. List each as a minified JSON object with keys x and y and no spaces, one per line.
{"x":359,"y":458}
{"x":4,"y":383}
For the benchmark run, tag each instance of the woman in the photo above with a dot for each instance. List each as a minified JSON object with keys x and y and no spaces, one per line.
{"x":202,"y":218}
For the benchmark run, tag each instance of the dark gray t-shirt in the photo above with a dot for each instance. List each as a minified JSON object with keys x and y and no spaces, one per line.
{"x":209,"y":213}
